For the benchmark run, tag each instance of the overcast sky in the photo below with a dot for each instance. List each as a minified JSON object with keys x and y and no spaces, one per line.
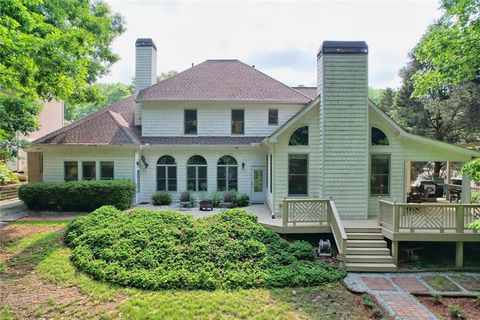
{"x":279,"y":38}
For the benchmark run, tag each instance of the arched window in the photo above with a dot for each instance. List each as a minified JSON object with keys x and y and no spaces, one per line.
{"x":197,"y":174}
{"x":299,"y":137}
{"x":379,"y":138}
{"x":166,"y":174}
{"x":227,"y":174}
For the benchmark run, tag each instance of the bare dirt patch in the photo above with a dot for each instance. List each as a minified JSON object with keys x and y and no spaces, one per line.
{"x":10,"y":234}
{"x":26,"y":294}
{"x":469,"y":307}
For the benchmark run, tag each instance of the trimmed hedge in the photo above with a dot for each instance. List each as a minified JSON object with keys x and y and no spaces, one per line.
{"x":167,"y":249}
{"x":77,"y":195}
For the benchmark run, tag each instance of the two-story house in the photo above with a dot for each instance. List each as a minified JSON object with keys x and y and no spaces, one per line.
{"x":223,"y":124}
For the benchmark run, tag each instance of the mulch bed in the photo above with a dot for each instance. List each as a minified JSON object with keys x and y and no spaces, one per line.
{"x":470,"y":307}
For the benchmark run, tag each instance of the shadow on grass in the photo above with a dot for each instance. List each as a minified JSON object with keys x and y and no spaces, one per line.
{"x":26,"y":260}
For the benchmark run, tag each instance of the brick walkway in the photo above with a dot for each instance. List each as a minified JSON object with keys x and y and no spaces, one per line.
{"x":393,"y":291}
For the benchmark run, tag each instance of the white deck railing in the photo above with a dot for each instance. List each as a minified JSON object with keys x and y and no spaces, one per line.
{"x":431,"y":217}
{"x":322,"y":212}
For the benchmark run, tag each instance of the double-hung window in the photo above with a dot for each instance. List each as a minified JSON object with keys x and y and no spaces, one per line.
{"x":380,"y":175}
{"x":238,"y":121}
{"x":71,"y":170}
{"x":272,"y":116}
{"x":298,"y":175}
{"x":89,"y":170}
{"x":190,"y":117}
{"x":106,"y":170}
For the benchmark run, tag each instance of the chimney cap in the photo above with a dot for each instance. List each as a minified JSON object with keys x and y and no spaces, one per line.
{"x":145,"y":42}
{"x":343,"y":47}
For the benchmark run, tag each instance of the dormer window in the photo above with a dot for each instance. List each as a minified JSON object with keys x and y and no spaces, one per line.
{"x":190,"y":117}
{"x":379,"y":138}
{"x":238,"y":121}
{"x":299,"y":137}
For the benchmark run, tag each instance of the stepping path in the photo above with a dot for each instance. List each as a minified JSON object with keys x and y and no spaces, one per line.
{"x":393,"y":291}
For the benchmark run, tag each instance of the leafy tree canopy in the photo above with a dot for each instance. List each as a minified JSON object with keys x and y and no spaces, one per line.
{"x":472,"y":168}
{"x":51,"y":49}
{"x":450,"y":49}
{"x":166,"y":74}
{"x":108,"y":93}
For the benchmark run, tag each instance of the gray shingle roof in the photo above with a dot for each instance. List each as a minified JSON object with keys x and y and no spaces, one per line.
{"x":222,"y":80}
{"x":310,"y":92}
{"x":112,"y":125}
{"x":210,"y":80}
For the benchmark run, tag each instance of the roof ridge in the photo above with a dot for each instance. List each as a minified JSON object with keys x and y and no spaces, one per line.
{"x":278,"y":81}
{"x":125,"y":127}
{"x":140,"y":93}
{"x":81,"y":121}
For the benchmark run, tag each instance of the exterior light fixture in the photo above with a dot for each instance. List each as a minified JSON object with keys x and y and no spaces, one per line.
{"x":243,"y":165}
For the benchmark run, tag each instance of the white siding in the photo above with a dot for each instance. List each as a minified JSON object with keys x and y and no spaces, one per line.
{"x":251,"y":156}
{"x":53,"y":161}
{"x":214,"y":119}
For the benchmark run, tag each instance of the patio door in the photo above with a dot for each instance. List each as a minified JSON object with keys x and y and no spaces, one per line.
{"x":258,"y":185}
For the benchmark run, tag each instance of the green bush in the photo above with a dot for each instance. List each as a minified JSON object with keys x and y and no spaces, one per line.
{"x":77,"y":195}
{"x":7,"y":176}
{"x":161,"y":198}
{"x":241,"y":200}
{"x":475,"y":197}
{"x":166,"y":249}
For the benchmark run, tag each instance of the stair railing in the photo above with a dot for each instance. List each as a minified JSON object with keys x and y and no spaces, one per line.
{"x":338,"y":230}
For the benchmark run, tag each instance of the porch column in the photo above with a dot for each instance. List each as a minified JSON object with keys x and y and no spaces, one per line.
{"x":459,"y":254}
{"x":449,"y":179}
{"x":408,"y":175}
{"x":466,"y":189}
{"x":395,"y":252}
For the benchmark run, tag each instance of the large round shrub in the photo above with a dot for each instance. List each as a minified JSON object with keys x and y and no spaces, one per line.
{"x":166,"y":249}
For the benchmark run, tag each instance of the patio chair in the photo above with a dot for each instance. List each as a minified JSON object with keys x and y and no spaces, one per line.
{"x":228,"y":199}
{"x":185,"y":200}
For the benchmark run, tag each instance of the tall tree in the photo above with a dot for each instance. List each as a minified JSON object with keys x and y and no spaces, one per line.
{"x":108,"y":93}
{"x":375,"y":94}
{"x":51,"y":49}
{"x":386,"y":101}
{"x":450,"y":49}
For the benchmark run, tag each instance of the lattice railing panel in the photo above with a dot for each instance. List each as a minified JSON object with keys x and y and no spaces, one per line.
{"x":307,"y":211}
{"x":423,"y":217}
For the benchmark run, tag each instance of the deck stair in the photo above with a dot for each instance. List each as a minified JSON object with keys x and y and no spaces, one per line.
{"x":367,"y":251}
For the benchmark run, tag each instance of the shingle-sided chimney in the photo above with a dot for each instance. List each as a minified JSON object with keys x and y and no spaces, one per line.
{"x":342,"y":70}
{"x":145,"y":69}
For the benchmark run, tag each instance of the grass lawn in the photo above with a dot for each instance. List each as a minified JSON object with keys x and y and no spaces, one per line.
{"x":38,"y":281}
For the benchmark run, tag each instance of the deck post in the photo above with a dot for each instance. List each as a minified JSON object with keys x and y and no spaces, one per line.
{"x":459,"y":217}
{"x":459,"y":254}
{"x":284,"y":212}
{"x":395,"y":252}
{"x":466,"y":189}
{"x":396,"y":217}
